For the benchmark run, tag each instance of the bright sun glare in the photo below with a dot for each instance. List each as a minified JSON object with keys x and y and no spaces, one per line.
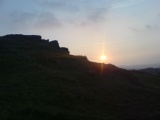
{"x":103,"y":57}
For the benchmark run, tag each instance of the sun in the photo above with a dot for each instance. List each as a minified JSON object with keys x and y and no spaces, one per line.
{"x":103,"y":57}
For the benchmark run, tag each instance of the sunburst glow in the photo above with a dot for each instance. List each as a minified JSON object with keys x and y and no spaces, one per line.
{"x":103,"y":57}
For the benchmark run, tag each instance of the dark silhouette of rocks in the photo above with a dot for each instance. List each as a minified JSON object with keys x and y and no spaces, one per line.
{"x":39,"y":81}
{"x":35,"y":39}
{"x":65,"y":50}
{"x":35,"y":42}
{"x":55,"y":44}
{"x":21,"y":36}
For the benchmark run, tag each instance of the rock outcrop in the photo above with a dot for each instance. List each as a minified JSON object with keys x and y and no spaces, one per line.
{"x":36,"y":39}
{"x":21,"y":36}
{"x":54,"y":44}
{"x":64,"y":50}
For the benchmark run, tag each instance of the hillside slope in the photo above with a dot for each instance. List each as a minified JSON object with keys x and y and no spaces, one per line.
{"x":41,"y":81}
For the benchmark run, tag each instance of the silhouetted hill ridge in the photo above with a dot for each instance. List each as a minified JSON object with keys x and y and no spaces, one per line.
{"x":32,"y":40}
{"x":39,"y":80}
{"x":34,"y":45}
{"x":153,"y":71}
{"x":32,"y":49}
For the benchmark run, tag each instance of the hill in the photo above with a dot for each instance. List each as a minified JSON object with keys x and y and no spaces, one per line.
{"x":138,"y":67}
{"x":39,"y":80}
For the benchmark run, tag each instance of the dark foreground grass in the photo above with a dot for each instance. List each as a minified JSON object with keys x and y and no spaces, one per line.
{"x":67,"y":95}
{"x":39,"y":84}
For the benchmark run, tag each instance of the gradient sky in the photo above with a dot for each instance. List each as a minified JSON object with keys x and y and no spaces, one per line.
{"x":127,"y":31}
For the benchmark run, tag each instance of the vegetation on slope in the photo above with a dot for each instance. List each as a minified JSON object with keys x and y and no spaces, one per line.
{"x":40,"y":82}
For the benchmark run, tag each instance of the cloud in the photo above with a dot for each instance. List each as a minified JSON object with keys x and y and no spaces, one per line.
{"x":20,"y":20}
{"x":126,"y":3}
{"x":102,"y":43}
{"x":61,"y":5}
{"x":149,"y":27}
{"x":55,"y":4}
{"x":97,"y":15}
{"x":145,"y":28}
{"x":79,"y":12}
{"x":57,"y":13}
{"x":152,"y":27}
{"x":47,"y":20}
{"x":94,"y":17}
{"x":25,"y":20}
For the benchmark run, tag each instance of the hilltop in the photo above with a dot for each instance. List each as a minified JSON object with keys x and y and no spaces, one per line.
{"x":31,"y":49}
{"x":39,"y":80}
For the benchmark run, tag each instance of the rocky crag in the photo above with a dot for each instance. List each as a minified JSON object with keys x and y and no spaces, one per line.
{"x":35,"y":39}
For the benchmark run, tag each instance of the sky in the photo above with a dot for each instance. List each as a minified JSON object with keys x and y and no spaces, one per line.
{"x":126,"y":31}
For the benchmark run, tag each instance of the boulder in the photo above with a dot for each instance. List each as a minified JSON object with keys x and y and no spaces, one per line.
{"x":64,"y":50}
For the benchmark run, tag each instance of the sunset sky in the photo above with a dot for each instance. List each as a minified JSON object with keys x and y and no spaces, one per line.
{"x":126,"y":31}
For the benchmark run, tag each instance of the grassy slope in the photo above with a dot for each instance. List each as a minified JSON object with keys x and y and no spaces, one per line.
{"x":36,"y":83}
